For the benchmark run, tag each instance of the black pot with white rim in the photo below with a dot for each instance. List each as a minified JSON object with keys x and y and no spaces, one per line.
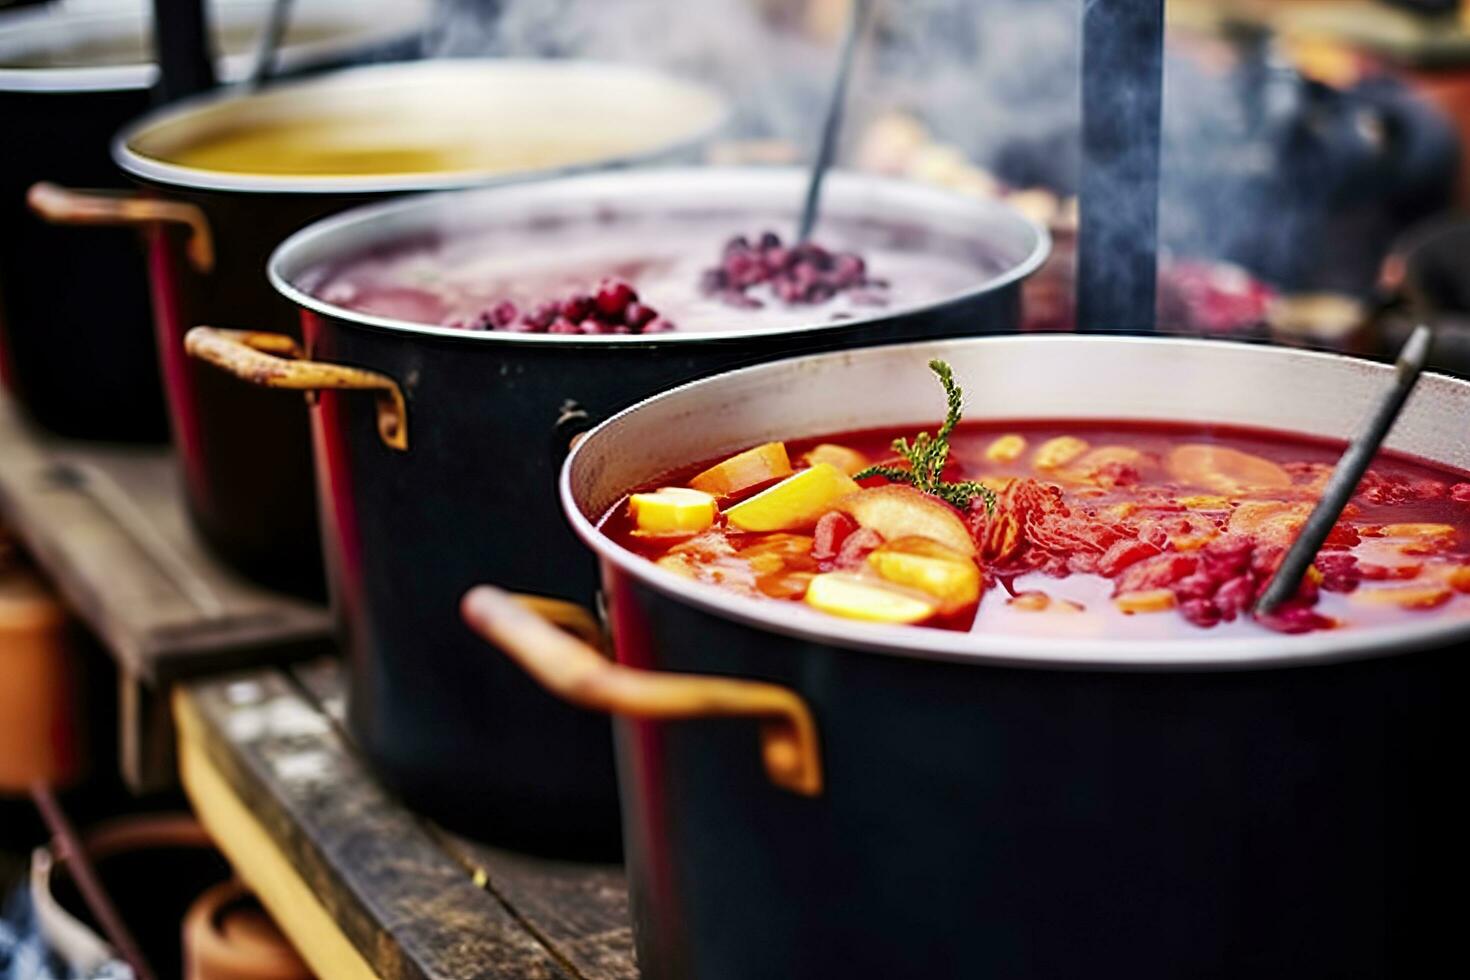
{"x":76,"y":344}
{"x":227,"y":176}
{"x":804,"y":794}
{"x":442,"y":473}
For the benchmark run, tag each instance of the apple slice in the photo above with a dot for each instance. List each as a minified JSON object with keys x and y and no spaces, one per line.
{"x":1223,"y":470}
{"x":758,"y":465}
{"x":897,"y":511}
{"x":848,"y":460}
{"x":873,"y":600}
{"x":795,"y":503}
{"x":672,"y":510}
{"x":926,"y":565}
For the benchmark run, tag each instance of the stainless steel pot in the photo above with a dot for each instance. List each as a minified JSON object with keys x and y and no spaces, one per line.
{"x":914,"y":802}
{"x":442,"y":473}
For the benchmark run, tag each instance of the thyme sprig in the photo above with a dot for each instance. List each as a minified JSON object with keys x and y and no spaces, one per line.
{"x":927,"y":455}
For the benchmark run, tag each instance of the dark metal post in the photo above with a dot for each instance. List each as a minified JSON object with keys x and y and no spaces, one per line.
{"x":183,"y":48}
{"x":1122,"y":100}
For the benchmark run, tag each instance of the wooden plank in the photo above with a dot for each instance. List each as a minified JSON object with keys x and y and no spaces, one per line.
{"x":107,"y":524}
{"x":406,"y":907}
{"x":579,"y":911}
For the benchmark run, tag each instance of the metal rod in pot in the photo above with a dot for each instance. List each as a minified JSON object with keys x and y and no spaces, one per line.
{"x":270,"y":42}
{"x":857,"y":19}
{"x":1122,"y":103}
{"x":1348,"y":473}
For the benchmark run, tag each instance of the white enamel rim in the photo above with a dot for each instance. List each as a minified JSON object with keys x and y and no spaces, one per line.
{"x":636,"y":190}
{"x":1172,"y":655}
{"x":714,"y":111}
{"x":391,"y":20}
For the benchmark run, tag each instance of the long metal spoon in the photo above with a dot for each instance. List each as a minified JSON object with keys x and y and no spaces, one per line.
{"x":269,"y":43}
{"x":857,"y":19}
{"x":1348,"y":473}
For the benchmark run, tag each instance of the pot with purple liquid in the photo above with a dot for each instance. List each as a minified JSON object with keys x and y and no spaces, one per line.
{"x":476,"y":322}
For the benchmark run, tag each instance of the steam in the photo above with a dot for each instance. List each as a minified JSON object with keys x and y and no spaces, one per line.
{"x":996,"y":80}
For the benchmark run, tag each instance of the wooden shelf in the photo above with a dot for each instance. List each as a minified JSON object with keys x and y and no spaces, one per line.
{"x":360,"y":885}
{"x":107,"y":525}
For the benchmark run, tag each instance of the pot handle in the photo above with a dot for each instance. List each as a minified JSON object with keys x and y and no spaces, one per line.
{"x":273,"y":360}
{"x":577,"y":673}
{"x":64,"y":206}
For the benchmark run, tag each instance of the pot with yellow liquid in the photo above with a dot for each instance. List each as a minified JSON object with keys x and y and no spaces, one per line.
{"x":226,"y":177}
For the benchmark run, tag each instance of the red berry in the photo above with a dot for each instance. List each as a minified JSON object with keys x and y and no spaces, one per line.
{"x":613,"y":297}
{"x":563,"y":326}
{"x":577,"y":308}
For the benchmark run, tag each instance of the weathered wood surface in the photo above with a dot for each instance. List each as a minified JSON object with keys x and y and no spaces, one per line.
{"x":402,"y":902}
{"x":564,"y":919}
{"x":107,"y":524}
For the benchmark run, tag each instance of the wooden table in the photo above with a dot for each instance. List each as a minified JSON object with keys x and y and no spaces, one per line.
{"x":107,"y":525}
{"x":362,"y":887}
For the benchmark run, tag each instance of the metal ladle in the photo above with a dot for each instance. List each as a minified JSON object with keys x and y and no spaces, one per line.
{"x":1348,"y":473}
{"x":271,"y":34}
{"x":857,"y":19}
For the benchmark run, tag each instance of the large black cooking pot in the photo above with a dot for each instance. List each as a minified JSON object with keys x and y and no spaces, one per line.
{"x":76,"y":347}
{"x":906,"y":802}
{"x":245,"y":454}
{"x":444,"y":474}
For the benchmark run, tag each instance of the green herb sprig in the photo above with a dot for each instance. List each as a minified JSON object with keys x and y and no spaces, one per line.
{"x":927,"y":455}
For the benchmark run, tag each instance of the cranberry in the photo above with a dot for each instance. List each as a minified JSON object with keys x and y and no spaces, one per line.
{"x":659,"y":325}
{"x":590,"y":326}
{"x":576,"y":308}
{"x":1196,"y":586}
{"x":713,"y":281}
{"x":769,"y":240}
{"x":563,"y":326}
{"x":737,"y":244}
{"x":503,"y":314}
{"x":1200,"y":612}
{"x":1124,"y":553}
{"x":543,"y":315}
{"x":613,"y":297}
{"x":1235,"y":597}
{"x":1460,"y":493}
{"x":637,"y":315}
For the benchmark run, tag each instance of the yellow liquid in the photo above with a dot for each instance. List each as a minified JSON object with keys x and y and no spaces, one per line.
{"x":338,"y":147}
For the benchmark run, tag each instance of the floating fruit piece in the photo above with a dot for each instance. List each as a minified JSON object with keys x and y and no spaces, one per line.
{"x":786,"y":585}
{"x":897,"y":511}
{"x":1227,"y":471}
{"x":672,"y":510}
{"x":1406,"y":596}
{"x":1458,"y":578}
{"x":1270,"y":521}
{"x":926,"y":565}
{"x":847,"y":460}
{"x":860,"y":597}
{"x":1058,"y":452}
{"x":1104,"y":463}
{"x":758,"y":465}
{"x":1006,"y":449}
{"x":1209,"y":502}
{"x":1149,"y":601}
{"x":1029,"y":601}
{"x":794,"y":503}
{"x":680,"y":564}
{"x":1418,"y":531}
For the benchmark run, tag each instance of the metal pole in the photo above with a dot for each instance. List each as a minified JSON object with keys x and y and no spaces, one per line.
{"x":183,"y":48}
{"x":1122,"y":101}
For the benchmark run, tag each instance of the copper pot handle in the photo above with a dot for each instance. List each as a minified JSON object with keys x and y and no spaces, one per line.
{"x":64,"y":206}
{"x":274,"y":360}
{"x":576,"y":672}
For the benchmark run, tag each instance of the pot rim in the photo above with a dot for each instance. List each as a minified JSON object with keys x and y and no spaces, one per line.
{"x":590,"y":183}
{"x":717,"y":112}
{"x":358,"y":33}
{"x":1267,"y":652}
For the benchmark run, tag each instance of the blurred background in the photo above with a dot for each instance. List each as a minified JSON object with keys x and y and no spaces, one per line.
{"x":1314,"y":191}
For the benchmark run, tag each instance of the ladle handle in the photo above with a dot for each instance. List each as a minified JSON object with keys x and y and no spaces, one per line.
{"x":857,"y":19}
{"x":578,"y":673}
{"x":1348,"y":473}
{"x":273,"y":360}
